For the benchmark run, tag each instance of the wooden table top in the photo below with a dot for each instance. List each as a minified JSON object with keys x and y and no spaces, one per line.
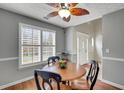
{"x":71,"y":72}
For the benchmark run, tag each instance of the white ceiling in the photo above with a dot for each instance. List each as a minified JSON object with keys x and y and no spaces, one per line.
{"x":40,"y":10}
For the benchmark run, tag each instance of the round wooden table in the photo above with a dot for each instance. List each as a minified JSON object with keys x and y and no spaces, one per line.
{"x":71,"y":72}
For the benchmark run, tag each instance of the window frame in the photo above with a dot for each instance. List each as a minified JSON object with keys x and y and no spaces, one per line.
{"x":41,"y":46}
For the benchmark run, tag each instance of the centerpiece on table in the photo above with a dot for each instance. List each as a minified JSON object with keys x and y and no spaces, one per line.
{"x":62,"y":64}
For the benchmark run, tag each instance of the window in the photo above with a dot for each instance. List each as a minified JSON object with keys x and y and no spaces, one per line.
{"x":48,"y":44}
{"x":30,"y":44}
{"x":36,"y":44}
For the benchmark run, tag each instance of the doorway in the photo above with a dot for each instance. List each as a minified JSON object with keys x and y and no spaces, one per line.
{"x":82,"y":48}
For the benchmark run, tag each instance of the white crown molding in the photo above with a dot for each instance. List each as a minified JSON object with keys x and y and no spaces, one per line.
{"x":113,"y":58}
{"x":8,"y":59}
{"x":16,"y":82}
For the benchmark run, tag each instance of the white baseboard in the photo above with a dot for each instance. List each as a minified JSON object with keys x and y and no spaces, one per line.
{"x":16,"y":82}
{"x":113,"y":84}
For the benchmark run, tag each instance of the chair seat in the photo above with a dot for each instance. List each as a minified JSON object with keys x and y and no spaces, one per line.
{"x":80,"y":84}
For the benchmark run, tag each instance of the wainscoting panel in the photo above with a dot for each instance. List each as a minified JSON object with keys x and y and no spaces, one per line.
{"x":112,"y":70}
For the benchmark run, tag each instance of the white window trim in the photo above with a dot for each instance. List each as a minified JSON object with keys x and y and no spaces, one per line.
{"x":19,"y":40}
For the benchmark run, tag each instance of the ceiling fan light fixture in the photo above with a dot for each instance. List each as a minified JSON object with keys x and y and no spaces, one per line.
{"x":64,"y":13}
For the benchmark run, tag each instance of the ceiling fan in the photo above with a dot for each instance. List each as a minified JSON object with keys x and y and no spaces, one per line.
{"x":65,"y":10}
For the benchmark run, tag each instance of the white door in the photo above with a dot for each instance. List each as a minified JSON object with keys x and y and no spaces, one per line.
{"x":82,"y":48}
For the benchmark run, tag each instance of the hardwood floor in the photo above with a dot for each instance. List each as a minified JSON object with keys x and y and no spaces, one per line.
{"x":103,"y":86}
{"x":27,"y":85}
{"x":30,"y":85}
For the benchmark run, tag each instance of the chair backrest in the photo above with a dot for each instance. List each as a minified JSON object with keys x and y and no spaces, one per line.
{"x":53,"y":59}
{"x":46,"y":79}
{"x":93,"y":73}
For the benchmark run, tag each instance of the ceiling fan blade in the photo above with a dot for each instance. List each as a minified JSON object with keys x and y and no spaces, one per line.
{"x":67,"y":19}
{"x":55,"y":5}
{"x":52,"y":14}
{"x":79,"y":11}
{"x":72,"y":4}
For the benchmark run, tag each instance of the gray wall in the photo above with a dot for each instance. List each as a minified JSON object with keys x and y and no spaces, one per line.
{"x":113,"y":39}
{"x":113,"y":71}
{"x":9,"y":71}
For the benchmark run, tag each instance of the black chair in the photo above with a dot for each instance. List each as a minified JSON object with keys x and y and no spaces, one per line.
{"x":48,"y":78}
{"x":89,"y":82}
{"x":53,"y":59}
{"x":93,"y":73}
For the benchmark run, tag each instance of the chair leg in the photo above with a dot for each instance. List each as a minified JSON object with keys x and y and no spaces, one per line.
{"x":66,"y":82}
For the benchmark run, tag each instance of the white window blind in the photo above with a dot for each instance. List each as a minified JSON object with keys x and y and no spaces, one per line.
{"x":30,"y":45}
{"x":48,"y":44}
{"x":35,"y":44}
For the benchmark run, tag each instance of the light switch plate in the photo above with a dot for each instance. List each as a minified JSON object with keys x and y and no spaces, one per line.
{"x":107,"y":51}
